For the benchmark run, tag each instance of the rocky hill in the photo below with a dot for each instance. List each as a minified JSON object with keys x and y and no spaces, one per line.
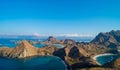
{"x":116,"y":64}
{"x":71,"y":54}
{"x":69,"y":42}
{"x":25,"y":49}
{"x":52,"y":40}
{"x":108,"y":39}
{"x":78,"y":54}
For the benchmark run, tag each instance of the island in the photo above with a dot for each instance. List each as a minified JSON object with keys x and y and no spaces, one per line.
{"x":77,"y":55}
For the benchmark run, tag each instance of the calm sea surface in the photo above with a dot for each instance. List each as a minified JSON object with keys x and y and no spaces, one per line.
{"x":32,"y":63}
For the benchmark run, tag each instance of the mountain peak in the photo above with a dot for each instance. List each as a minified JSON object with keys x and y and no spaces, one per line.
{"x":108,"y":38}
{"x":25,"y":43}
{"x":51,"y":38}
{"x":25,"y":49}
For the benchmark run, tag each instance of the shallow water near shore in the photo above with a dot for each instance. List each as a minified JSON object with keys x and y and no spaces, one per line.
{"x":32,"y":63}
{"x":106,"y":58}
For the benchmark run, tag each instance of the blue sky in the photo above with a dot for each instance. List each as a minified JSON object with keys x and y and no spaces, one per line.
{"x":59,"y":16}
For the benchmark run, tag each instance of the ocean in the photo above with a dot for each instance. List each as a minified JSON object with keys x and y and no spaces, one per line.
{"x":10,"y":42}
{"x":106,"y":58}
{"x":32,"y":63}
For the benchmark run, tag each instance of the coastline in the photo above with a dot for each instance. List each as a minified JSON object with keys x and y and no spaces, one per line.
{"x":102,"y":55}
{"x":59,"y":45}
{"x":67,"y":66}
{"x":95,"y":57}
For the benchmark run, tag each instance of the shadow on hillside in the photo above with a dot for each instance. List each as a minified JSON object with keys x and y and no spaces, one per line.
{"x":85,"y":65}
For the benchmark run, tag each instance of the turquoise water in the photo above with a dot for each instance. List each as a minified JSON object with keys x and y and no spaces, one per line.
{"x":11,"y":43}
{"x":42,"y":45}
{"x":106,"y":58}
{"x":39,"y":45}
{"x":32,"y":63}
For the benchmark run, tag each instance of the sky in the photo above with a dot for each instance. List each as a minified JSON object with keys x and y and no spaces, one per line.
{"x":66,"y":17}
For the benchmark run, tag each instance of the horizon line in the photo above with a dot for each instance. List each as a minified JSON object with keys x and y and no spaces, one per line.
{"x":50,"y":34}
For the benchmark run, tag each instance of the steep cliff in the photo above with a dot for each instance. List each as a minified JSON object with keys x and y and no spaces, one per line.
{"x":108,"y":39}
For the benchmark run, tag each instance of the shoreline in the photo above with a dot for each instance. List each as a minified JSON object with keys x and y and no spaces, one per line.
{"x":102,"y":55}
{"x":67,"y":66}
{"x":95,"y":57}
{"x":58,"y":45}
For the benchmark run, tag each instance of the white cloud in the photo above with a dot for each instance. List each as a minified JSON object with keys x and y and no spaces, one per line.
{"x":72,"y":35}
{"x":36,"y":34}
{"x":86,"y":35}
{"x":66,"y":35}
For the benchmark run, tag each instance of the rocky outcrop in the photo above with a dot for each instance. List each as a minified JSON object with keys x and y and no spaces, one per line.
{"x":25,"y":49}
{"x":5,"y":51}
{"x":116,"y":64}
{"x":74,"y":53}
{"x":71,"y":53}
{"x":52,"y":40}
{"x":69,"y":42}
{"x":108,"y":39}
{"x":47,"y":50}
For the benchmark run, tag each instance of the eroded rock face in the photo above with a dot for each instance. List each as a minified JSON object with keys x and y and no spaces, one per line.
{"x":117,"y":64}
{"x":25,"y":49}
{"x":74,"y":52}
{"x":5,"y":51}
{"x":70,"y":52}
{"x":109,"y":39}
{"x":47,"y":50}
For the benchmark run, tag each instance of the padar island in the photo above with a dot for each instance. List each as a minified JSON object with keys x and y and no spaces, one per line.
{"x":76,"y":55}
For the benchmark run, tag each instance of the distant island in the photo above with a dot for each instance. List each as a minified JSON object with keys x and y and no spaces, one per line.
{"x":78,"y":55}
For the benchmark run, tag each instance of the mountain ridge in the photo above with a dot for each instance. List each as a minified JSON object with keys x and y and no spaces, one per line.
{"x":108,"y":38}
